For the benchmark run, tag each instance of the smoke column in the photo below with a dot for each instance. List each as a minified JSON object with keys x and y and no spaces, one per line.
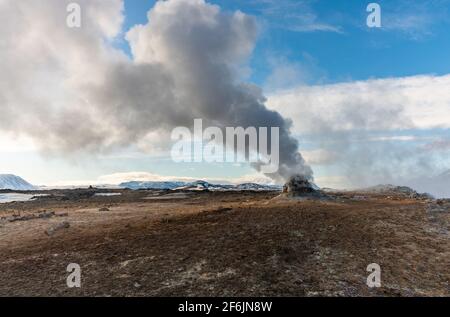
{"x":187,"y":62}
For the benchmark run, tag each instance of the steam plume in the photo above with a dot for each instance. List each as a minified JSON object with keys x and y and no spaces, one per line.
{"x":71,"y":90}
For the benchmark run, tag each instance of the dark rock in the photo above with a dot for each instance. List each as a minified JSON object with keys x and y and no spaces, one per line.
{"x":300,"y":186}
{"x":51,"y":231}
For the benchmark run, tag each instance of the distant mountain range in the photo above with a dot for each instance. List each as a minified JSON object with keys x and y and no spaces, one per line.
{"x":198,"y":185}
{"x":438,"y":186}
{"x":151,"y":185}
{"x":13,"y":182}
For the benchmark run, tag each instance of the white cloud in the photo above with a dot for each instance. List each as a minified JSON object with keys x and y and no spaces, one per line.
{"x":335,"y":182}
{"x":286,"y":74}
{"x":251,"y":178}
{"x":16,"y":144}
{"x":319,"y":157}
{"x":381,"y":104}
{"x":361,"y":124}
{"x":118,"y":178}
{"x":415,"y":19}
{"x":309,"y":22}
{"x":44,"y":65}
{"x":294,"y":15}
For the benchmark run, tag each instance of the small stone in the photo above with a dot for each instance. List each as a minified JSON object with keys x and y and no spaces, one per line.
{"x":54,"y":229}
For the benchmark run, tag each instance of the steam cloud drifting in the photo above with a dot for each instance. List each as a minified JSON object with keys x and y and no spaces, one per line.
{"x":71,"y":90}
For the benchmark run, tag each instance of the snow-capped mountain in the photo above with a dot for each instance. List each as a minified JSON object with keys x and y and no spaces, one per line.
{"x":8,"y":181}
{"x":135,"y":185}
{"x":198,"y":185}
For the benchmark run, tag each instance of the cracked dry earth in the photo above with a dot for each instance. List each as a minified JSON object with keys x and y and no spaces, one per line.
{"x":227,"y":244}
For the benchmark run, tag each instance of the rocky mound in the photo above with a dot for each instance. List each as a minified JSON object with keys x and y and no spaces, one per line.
{"x":299,"y":186}
{"x":398,"y":190}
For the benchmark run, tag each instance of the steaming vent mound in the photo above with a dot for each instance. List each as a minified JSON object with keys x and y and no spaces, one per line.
{"x":299,"y":186}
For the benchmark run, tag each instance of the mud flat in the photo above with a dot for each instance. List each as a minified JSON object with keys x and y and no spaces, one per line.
{"x":224,"y":244}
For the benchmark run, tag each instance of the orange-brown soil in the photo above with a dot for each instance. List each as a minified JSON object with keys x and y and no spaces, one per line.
{"x":226,"y":244}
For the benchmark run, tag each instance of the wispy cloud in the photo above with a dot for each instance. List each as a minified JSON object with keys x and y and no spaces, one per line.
{"x":286,"y":73}
{"x":415,"y":19}
{"x":438,"y":145}
{"x":297,"y":16}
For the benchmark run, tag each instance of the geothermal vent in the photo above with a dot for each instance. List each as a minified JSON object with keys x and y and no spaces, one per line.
{"x":298,"y":186}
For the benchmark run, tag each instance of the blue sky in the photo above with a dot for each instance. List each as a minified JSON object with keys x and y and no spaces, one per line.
{"x":419,"y":45}
{"x":355,"y":95}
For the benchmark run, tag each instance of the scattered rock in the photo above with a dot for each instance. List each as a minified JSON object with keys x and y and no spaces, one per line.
{"x":300,"y":188}
{"x":104,"y":209}
{"x":439,"y":206}
{"x":220,"y":210}
{"x":60,"y":226}
{"x":398,"y":190}
{"x":40,"y":215}
{"x":359,"y":198}
{"x":46,"y":215}
{"x":299,"y":185}
{"x":166,"y":220}
{"x":15,"y":218}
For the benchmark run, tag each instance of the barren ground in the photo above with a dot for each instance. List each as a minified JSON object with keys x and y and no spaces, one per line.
{"x":225,"y":244}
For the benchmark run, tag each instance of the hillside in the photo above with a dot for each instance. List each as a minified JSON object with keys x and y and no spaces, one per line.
{"x":9,"y":181}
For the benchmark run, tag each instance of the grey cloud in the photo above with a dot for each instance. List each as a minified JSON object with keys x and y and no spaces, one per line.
{"x":72,"y":91}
